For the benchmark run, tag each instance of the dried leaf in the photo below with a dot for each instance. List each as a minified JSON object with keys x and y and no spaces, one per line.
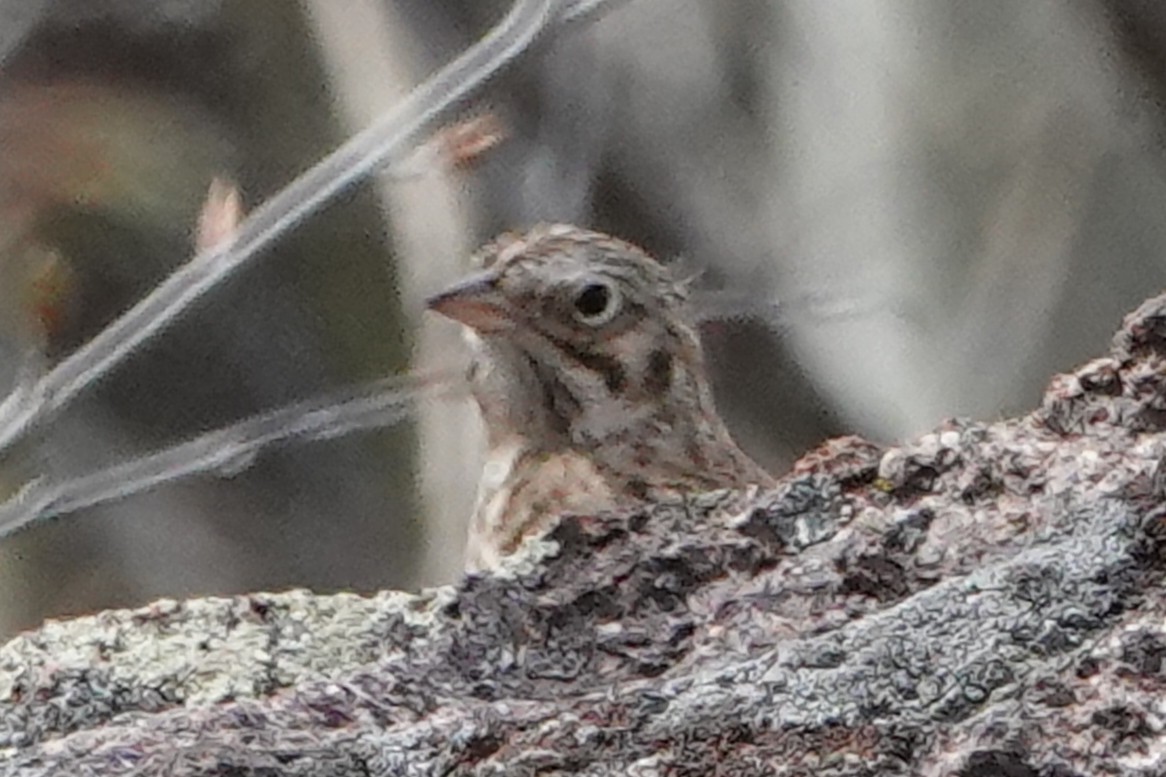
{"x":221,"y":213}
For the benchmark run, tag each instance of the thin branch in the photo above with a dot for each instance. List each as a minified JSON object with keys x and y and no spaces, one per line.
{"x":228,"y":451}
{"x":577,"y":10}
{"x":31,"y":405}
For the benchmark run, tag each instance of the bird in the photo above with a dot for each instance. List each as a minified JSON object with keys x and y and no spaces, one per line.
{"x":591,"y":384}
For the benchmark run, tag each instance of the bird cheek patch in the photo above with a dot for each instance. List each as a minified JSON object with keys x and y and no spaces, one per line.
{"x":658,"y":373}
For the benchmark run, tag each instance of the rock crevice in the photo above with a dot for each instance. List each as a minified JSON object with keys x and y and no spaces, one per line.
{"x":985,"y":600}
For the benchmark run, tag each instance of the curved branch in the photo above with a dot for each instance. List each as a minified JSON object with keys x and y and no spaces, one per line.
{"x":29,"y":406}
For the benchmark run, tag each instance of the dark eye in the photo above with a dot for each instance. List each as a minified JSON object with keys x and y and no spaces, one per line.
{"x":595,"y":303}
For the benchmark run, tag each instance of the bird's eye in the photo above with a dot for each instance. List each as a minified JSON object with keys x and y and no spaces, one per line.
{"x":595,"y":303}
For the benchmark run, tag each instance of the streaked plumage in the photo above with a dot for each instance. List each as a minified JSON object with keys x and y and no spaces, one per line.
{"x":590,"y":382}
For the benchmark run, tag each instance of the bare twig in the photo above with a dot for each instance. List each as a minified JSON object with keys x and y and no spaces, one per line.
{"x":30,"y":405}
{"x":228,"y":451}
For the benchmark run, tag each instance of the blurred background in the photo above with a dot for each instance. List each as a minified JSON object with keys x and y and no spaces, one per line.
{"x":905,"y":210}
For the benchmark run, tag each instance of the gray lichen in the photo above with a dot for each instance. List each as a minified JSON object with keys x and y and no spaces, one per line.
{"x":986,"y":600}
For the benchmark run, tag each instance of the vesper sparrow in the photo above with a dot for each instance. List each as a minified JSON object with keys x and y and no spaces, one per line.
{"x":590,"y":382}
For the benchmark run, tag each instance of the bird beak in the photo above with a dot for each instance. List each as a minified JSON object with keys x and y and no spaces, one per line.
{"x":475,"y":302}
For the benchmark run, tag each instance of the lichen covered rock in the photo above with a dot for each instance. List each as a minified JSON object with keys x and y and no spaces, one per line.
{"x":986,"y":600}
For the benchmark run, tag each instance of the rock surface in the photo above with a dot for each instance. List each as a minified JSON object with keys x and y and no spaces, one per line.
{"x":985,"y":601}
